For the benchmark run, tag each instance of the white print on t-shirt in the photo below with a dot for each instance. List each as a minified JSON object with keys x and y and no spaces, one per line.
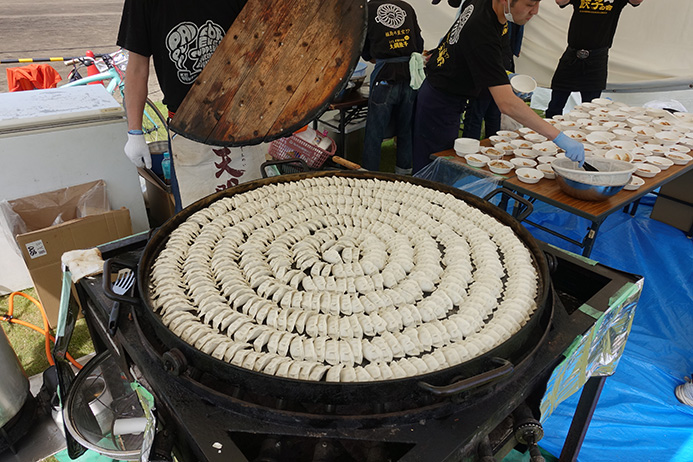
{"x":459,"y":24}
{"x":390,"y":15}
{"x":190,"y":47}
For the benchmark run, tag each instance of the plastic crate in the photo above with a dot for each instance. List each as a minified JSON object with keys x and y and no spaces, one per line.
{"x":293,"y":147}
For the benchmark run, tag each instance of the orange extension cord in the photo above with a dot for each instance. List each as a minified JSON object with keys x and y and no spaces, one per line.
{"x":46,"y":327}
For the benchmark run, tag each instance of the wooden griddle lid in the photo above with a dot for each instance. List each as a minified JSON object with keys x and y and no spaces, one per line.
{"x":277,"y":68}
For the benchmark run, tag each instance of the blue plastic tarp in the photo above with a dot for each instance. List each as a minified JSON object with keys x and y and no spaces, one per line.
{"x":638,"y":418}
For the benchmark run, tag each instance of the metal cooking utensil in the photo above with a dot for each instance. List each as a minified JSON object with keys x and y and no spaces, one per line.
{"x":589,"y":167}
{"x":123,"y":283}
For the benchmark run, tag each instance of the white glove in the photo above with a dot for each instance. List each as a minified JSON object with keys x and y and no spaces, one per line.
{"x":137,"y":151}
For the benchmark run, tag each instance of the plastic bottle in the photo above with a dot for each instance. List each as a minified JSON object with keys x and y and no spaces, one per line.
{"x":166,"y":166}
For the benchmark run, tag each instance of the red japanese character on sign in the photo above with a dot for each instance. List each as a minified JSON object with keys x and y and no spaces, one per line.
{"x":224,"y":166}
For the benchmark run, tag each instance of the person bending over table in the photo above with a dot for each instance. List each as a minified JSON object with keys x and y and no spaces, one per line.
{"x":469,"y":58}
{"x":584,"y":64}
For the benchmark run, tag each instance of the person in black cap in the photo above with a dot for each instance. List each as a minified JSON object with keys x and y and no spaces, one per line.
{"x":393,"y":40}
{"x":584,"y":64}
{"x":468,"y":59}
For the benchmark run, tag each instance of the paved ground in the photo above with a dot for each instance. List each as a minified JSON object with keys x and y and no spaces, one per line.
{"x":66,"y":28}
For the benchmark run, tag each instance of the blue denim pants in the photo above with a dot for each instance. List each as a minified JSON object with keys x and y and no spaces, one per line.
{"x":389,"y":100}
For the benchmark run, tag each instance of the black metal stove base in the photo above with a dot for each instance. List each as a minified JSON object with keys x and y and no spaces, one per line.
{"x":202,"y":424}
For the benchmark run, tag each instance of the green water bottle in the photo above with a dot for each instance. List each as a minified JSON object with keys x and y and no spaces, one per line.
{"x":166,"y":167}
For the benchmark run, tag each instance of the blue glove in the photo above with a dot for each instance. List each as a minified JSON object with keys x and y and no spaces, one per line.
{"x":574,"y":150}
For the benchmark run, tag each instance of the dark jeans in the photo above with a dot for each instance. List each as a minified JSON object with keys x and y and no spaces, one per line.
{"x":388,"y":100}
{"x":436,"y":123}
{"x":560,"y":97}
{"x":481,"y":109}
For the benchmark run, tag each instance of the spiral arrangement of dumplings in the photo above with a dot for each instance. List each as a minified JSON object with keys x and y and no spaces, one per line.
{"x":343,"y":279}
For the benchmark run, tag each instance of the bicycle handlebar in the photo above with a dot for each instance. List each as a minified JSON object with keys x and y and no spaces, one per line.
{"x":87,"y":61}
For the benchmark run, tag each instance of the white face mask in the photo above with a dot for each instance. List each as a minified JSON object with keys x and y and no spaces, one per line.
{"x":508,"y":15}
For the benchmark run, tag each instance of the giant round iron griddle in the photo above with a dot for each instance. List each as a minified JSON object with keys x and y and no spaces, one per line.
{"x":496,"y":364}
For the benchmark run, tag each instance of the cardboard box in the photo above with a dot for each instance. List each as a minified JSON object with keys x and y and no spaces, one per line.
{"x":43,"y":249}
{"x":674,"y":204}
{"x":47,"y":225}
{"x":158,"y":198}
{"x":676,"y":214}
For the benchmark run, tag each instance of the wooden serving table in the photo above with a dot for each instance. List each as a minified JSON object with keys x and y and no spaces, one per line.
{"x":549,"y":192}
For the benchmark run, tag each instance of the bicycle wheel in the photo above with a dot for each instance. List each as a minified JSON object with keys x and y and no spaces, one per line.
{"x":153,"y":123}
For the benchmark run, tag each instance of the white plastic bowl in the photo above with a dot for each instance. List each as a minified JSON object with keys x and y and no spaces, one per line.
{"x":576,"y":134}
{"x":466,"y":146}
{"x":584,"y":123}
{"x":529,"y":175}
{"x":477,"y":160}
{"x":545,"y":159}
{"x":507,"y":147}
{"x":601,"y":101}
{"x":622,"y":144}
{"x":508,"y":134}
{"x":500,"y":166}
{"x":535,"y":137}
{"x":526,"y":153}
{"x":520,"y":162}
{"x":646,"y":170}
{"x":522,"y":144}
{"x":623,"y":134}
{"x":661,"y":162}
{"x":643,"y":132}
{"x":613,"y":125}
{"x":522,"y":83}
{"x":598,"y":140}
{"x":635,"y":183}
{"x":619,"y":154}
{"x":547,"y":170}
{"x":680,"y":148}
{"x":547,"y":148}
{"x":668,"y":138}
{"x":664,"y":124}
{"x":656,"y":149}
{"x":496,"y":139}
{"x":492,"y":152}
{"x":679,"y":158}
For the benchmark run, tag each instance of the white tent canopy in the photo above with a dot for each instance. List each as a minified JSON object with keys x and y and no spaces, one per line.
{"x":652,"y":50}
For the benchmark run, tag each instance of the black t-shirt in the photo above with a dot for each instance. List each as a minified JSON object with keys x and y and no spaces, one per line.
{"x":470,"y":57}
{"x":593,"y":24}
{"x":179,"y":35}
{"x":393,"y":31}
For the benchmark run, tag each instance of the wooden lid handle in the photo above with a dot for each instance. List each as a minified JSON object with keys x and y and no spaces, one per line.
{"x":345,"y":163}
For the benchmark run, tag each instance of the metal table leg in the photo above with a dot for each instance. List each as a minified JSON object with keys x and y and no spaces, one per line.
{"x":581,"y":419}
{"x":588,"y":241}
